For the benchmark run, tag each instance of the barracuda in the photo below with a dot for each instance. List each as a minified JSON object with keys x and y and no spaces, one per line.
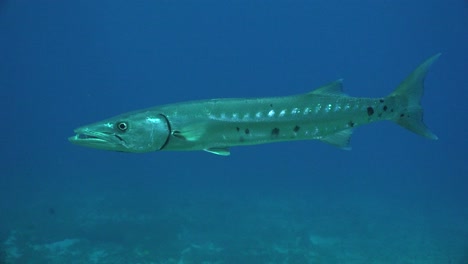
{"x":325,"y":114}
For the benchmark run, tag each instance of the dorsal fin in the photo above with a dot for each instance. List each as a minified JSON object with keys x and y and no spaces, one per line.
{"x":333,"y":88}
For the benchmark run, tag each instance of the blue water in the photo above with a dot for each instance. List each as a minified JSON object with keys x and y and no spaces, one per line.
{"x":395,"y":198}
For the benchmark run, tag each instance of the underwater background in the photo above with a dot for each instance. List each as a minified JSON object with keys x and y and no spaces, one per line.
{"x":395,"y":198}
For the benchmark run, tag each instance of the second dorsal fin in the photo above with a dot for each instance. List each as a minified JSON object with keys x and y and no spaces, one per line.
{"x":333,"y":88}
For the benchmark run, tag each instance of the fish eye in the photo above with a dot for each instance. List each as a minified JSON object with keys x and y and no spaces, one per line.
{"x":122,"y":126}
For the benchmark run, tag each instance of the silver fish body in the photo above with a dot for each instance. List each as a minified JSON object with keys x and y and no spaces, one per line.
{"x":326,"y":114}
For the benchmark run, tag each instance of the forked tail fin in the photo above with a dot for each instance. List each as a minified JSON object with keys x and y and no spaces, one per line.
{"x":408,"y":94}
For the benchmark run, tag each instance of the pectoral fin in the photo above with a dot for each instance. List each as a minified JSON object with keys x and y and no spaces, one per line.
{"x":191,"y":132}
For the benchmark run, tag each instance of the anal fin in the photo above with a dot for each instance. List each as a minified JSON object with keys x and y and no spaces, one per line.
{"x":339,"y":139}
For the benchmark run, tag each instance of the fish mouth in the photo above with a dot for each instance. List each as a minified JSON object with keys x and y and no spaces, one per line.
{"x":96,"y":139}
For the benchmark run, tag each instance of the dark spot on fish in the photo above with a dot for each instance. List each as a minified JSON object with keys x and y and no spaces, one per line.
{"x":275,"y":132}
{"x":296,"y":128}
{"x":351,"y":124}
{"x":51,"y":211}
{"x":402,"y":115}
{"x":381,"y":100}
{"x":370,"y":111}
{"x":271,"y":105}
{"x":385,"y":108}
{"x":247,"y":131}
{"x":391,"y":110}
{"x":237,"y":128}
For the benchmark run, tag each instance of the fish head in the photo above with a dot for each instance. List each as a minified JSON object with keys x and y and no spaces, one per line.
{"x":133,"y":132}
